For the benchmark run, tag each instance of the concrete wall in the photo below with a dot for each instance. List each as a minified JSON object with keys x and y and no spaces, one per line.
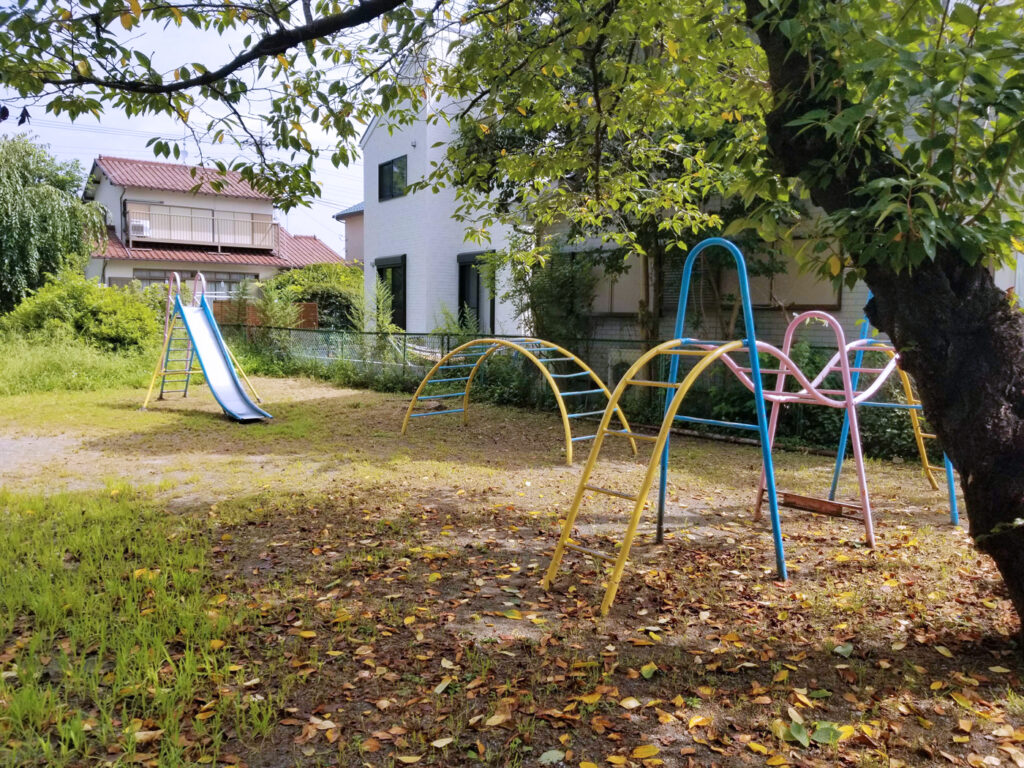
{"x":354,"y":229}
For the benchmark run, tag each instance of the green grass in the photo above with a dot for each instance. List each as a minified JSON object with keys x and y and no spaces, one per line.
{"x":112,"y":633}
{"x":50,"y":365}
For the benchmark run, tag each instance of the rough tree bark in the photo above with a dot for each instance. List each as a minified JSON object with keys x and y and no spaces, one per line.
{"x":958,"y":335}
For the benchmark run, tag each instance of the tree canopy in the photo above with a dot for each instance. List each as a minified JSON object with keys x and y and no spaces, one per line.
{"x":46,"y":227}
{"x":289,"y":72}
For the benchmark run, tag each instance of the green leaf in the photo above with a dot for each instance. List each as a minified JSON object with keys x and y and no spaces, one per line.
{"x":843,"y":650}
{"x":798,"y":733}
{"x":826,"y":733}
{"x":552,"y":756}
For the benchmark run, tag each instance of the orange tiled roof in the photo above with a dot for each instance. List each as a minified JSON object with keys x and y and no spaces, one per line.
{"x":303,"y":250}
{"x":173,"y":177}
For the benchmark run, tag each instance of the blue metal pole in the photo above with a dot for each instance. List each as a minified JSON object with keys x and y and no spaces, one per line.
{"x":954,"y":512}
{"x":844,"y":433}
{"x":759,"y":403}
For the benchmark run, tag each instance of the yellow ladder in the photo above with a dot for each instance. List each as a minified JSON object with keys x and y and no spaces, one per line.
{"x":639,"y":500}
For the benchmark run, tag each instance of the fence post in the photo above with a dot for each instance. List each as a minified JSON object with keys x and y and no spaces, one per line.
{"x":405,"y":350}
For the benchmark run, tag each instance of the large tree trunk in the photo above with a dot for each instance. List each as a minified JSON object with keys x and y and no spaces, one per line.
{"x":962,"y":341}
{"x":958,"y":335}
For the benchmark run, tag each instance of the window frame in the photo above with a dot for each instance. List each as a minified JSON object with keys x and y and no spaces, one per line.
{"x":393,"y":270}
{"x":388,"y":173}
{"x":471,"y":263}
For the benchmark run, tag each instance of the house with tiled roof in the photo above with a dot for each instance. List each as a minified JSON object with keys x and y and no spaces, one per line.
{"x":169,"y":217}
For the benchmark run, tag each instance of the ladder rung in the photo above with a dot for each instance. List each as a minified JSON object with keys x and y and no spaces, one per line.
{"x":440,"y":397}
{"x":854,"y":369}
{"x":929,"y":435}
{"x":581,"y":414}
{"x":767,"y":370}
{"x":610,"y":492}
{"x":443,"y":381}
{"x":467,"y":365}
{"x":898,"y":406}
{"x":583,"y":437}
{"x":689,"y":352}
{"x":581,"y":392}
{"x":553,"y":359}
{"x":933,"y":468}
{"x":718,"y":423}
{"x":632,"y":435}
{"x":648,"y":383}
{"x":436,"y":413}
{"x":569,"y":375}
{"x":164,"y":391}
{"x":591,"y":552}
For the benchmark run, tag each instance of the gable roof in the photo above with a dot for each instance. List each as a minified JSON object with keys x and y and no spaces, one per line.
{"x":303,"y":250}
{"x":172,"y":177}
{"x":293,"y":251}
{"x":352,"y":210}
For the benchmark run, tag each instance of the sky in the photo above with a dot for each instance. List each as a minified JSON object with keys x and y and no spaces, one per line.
{"x":119,"y":136}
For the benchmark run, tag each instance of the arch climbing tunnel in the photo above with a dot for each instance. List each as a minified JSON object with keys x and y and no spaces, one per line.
{"x":571,"y":381}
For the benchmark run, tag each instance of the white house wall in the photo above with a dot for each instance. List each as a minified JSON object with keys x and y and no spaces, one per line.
{"x":420,"y":227}
{"x":354,"y":238}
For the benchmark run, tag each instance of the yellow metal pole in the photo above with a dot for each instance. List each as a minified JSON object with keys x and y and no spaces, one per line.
{"x":160,"y":362}
{"x":653,"y":465}
{"x":419,"y":389}
{"x":607,"y":393}
{"x":472,"y":375}
{"x":244,"y":377}
{"x":915,"y":423}
{"x":595,"y":449}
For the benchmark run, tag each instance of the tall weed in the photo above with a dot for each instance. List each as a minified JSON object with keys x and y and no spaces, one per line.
{"x":48,"y":363}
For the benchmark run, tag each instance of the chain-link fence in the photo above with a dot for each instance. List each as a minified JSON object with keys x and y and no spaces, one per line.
{"x":398,"y":361}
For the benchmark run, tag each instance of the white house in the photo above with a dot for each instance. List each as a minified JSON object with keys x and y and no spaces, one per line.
{"x":410,"y":240}
{"x":158,"y":225}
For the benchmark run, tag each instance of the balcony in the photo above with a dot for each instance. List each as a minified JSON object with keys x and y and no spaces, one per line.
{"x":151,"y":223}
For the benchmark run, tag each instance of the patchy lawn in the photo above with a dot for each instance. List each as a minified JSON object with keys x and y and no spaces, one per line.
{"x":176,"y":589}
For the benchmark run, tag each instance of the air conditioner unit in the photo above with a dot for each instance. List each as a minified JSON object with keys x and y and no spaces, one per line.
{"x":138,"y":228}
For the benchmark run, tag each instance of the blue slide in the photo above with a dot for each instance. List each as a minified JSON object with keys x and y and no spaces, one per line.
{"x":216,"y":363}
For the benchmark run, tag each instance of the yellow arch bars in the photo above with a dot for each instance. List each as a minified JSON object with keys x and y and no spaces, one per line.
{"x":674,"y":347}
{"x":531,"y":349}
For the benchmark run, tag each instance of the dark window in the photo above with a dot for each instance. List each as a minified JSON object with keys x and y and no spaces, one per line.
{"x":469,"y":294}
{"x":219,"y":285}
{"x":391,"y":271}
{"x":391,"y":178}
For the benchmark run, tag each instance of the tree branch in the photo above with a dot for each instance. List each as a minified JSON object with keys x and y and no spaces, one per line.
{"x":273,"y":44}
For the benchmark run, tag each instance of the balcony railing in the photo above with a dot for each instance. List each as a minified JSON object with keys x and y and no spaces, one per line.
{"x":199,"y":226}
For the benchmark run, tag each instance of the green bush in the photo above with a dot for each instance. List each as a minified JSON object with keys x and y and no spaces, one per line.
{"x":335,"y":288}
{"x":71,"y":306}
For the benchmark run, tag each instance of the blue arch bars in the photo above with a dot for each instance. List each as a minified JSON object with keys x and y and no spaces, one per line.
{"x":844,"y":433}
{"x":759,"y":401}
